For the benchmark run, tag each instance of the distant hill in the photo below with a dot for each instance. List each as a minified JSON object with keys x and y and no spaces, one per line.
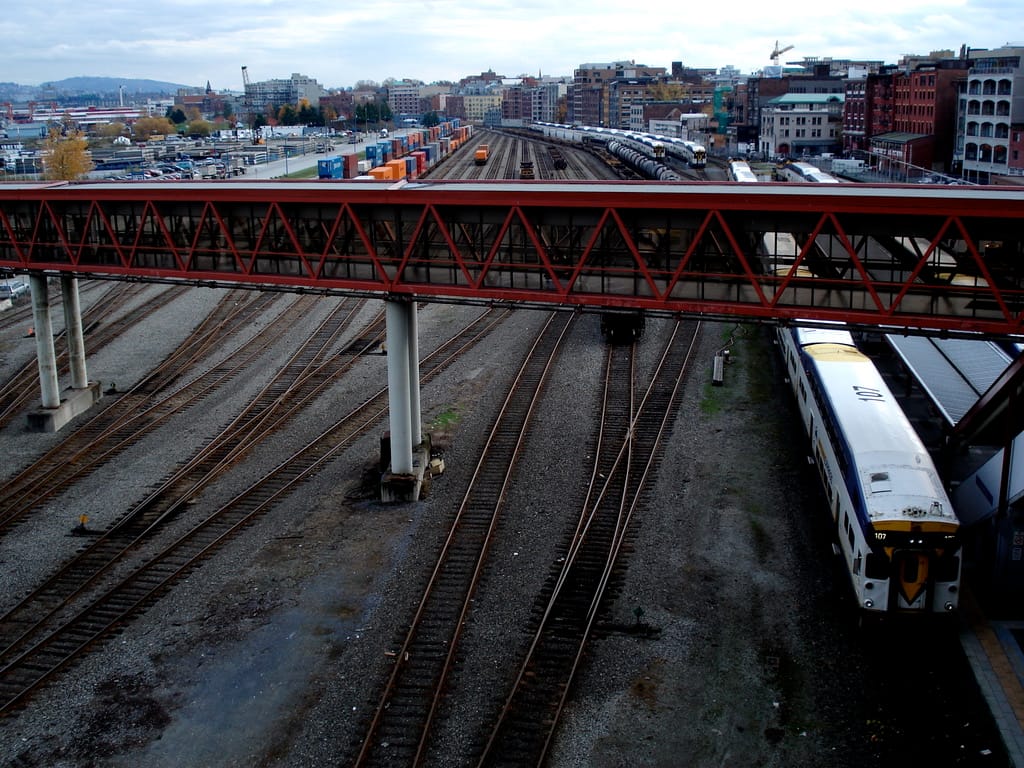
{"x":106,"y":85}
{"x":103,"y":87}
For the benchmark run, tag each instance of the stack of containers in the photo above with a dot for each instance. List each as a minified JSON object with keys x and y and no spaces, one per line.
{"x":420,"y":158}
{"x":411,"y":167}
{"x":351,"y":166}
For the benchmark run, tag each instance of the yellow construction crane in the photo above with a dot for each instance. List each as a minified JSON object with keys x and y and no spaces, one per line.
{"x":775,"y":53}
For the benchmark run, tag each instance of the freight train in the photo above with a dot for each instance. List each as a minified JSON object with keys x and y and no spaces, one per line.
{"x":898,"y":534}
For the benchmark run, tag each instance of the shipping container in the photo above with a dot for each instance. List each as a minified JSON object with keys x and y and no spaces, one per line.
{"x":397,"y":167}
{"x":350,"y":166}
{"x":329,"y":168}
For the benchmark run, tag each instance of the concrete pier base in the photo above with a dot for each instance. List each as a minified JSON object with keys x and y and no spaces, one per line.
{"x":403,"y":487}
{"x":74,"y":402}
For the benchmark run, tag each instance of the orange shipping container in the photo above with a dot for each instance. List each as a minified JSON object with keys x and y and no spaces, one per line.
{"x":381,"y":173}
{"x":397,"y":168}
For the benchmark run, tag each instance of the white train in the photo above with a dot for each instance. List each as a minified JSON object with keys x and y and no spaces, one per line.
{"x":652,"y":145}
{"x":739,"y":170}
{"x":897,"y":531}
{"x":804,"y":172}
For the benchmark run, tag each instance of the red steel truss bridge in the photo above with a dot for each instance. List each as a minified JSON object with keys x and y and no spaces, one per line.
{"x":917,"y":259}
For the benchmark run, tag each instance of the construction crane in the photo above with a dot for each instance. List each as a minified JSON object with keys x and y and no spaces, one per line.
{"x":775,"y":53}
{"x":250,"y":118}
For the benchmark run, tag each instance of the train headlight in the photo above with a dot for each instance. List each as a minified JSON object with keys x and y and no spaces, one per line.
{"x":869,"y":603}
{"x":949,"y":606}
{"x":869,"y":585}
{"x":952,"y":589}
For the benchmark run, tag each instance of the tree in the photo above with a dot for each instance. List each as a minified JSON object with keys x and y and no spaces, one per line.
{"x":110,"y":130}
{"x":287,"y":115}
{"x":66,"y":157}
{"x":668,"y":91}
{"x":199,"y":127}
{"x":150,"y":126}
{"x":430,"y":119}
{"x":176,"y":115}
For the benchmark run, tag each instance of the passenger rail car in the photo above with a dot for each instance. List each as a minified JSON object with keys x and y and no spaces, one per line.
{"x":739,"y":170}
{"x":804,"y":172}
{"x":897,"y":531}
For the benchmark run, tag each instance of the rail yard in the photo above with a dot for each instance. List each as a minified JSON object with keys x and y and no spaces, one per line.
{"x":619,"y":564}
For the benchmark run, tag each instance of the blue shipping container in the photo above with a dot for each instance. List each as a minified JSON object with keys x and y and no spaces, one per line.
{"x":330,"y":168}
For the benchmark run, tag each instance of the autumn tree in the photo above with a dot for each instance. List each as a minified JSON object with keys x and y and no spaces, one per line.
{"x":668,"y":91}
{"x":199,"y":127}
{"x":150,"y":126}
{"x":287,"y":115}
{"x":110,"y":130}
{"x":66,"y":157}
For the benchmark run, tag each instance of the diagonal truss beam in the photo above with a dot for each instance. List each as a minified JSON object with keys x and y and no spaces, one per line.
{"x":663,"y":248}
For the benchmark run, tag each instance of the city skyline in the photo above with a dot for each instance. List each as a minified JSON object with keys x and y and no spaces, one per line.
{"x":193,"y":43}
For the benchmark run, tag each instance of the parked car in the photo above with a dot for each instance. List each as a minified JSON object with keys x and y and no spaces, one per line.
{"x":13,"y":290}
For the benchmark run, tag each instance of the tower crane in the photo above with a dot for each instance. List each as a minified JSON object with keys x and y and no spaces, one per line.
{"x":775,"y":53}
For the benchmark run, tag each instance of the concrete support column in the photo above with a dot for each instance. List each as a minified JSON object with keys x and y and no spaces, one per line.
{"x":73,"y":331}
{"x":399,"y":394}
{"x":414,"y":377}
{"x":45,"y":354}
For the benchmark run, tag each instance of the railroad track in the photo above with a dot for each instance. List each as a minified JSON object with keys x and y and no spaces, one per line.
{"x":295,"y":385}
{"x":508,"y":150}
{"x":627,"y":457}
{"x":20,"y":314}
{"x":150,"y":403}
{"x":414,"y":696}
{"x":44,"y":648}
{"x":101,"y":327}
{"x":400,"y":725}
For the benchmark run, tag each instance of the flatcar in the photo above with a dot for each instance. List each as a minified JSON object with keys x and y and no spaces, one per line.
{"x":898,"y":535}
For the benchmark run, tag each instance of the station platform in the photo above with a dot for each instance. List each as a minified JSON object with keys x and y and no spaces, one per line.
{"x":994,"y":651}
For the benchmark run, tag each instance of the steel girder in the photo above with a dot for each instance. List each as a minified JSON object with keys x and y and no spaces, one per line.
{"x":912,"y":258}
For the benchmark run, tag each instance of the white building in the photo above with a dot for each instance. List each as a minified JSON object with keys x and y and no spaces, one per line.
{"x":991,"y":101}
{"x":797,"y":124}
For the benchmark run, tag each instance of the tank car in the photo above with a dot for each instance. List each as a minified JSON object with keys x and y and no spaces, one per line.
{"x":897,"y":532}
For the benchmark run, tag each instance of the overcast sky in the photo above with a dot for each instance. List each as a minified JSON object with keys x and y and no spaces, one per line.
{"x":339,"y":42}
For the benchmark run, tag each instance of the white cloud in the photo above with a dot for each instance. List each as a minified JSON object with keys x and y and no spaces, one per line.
{"x":192,"y":41}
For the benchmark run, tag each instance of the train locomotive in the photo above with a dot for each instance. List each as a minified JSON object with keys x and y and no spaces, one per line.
{"x":897,"y":531}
